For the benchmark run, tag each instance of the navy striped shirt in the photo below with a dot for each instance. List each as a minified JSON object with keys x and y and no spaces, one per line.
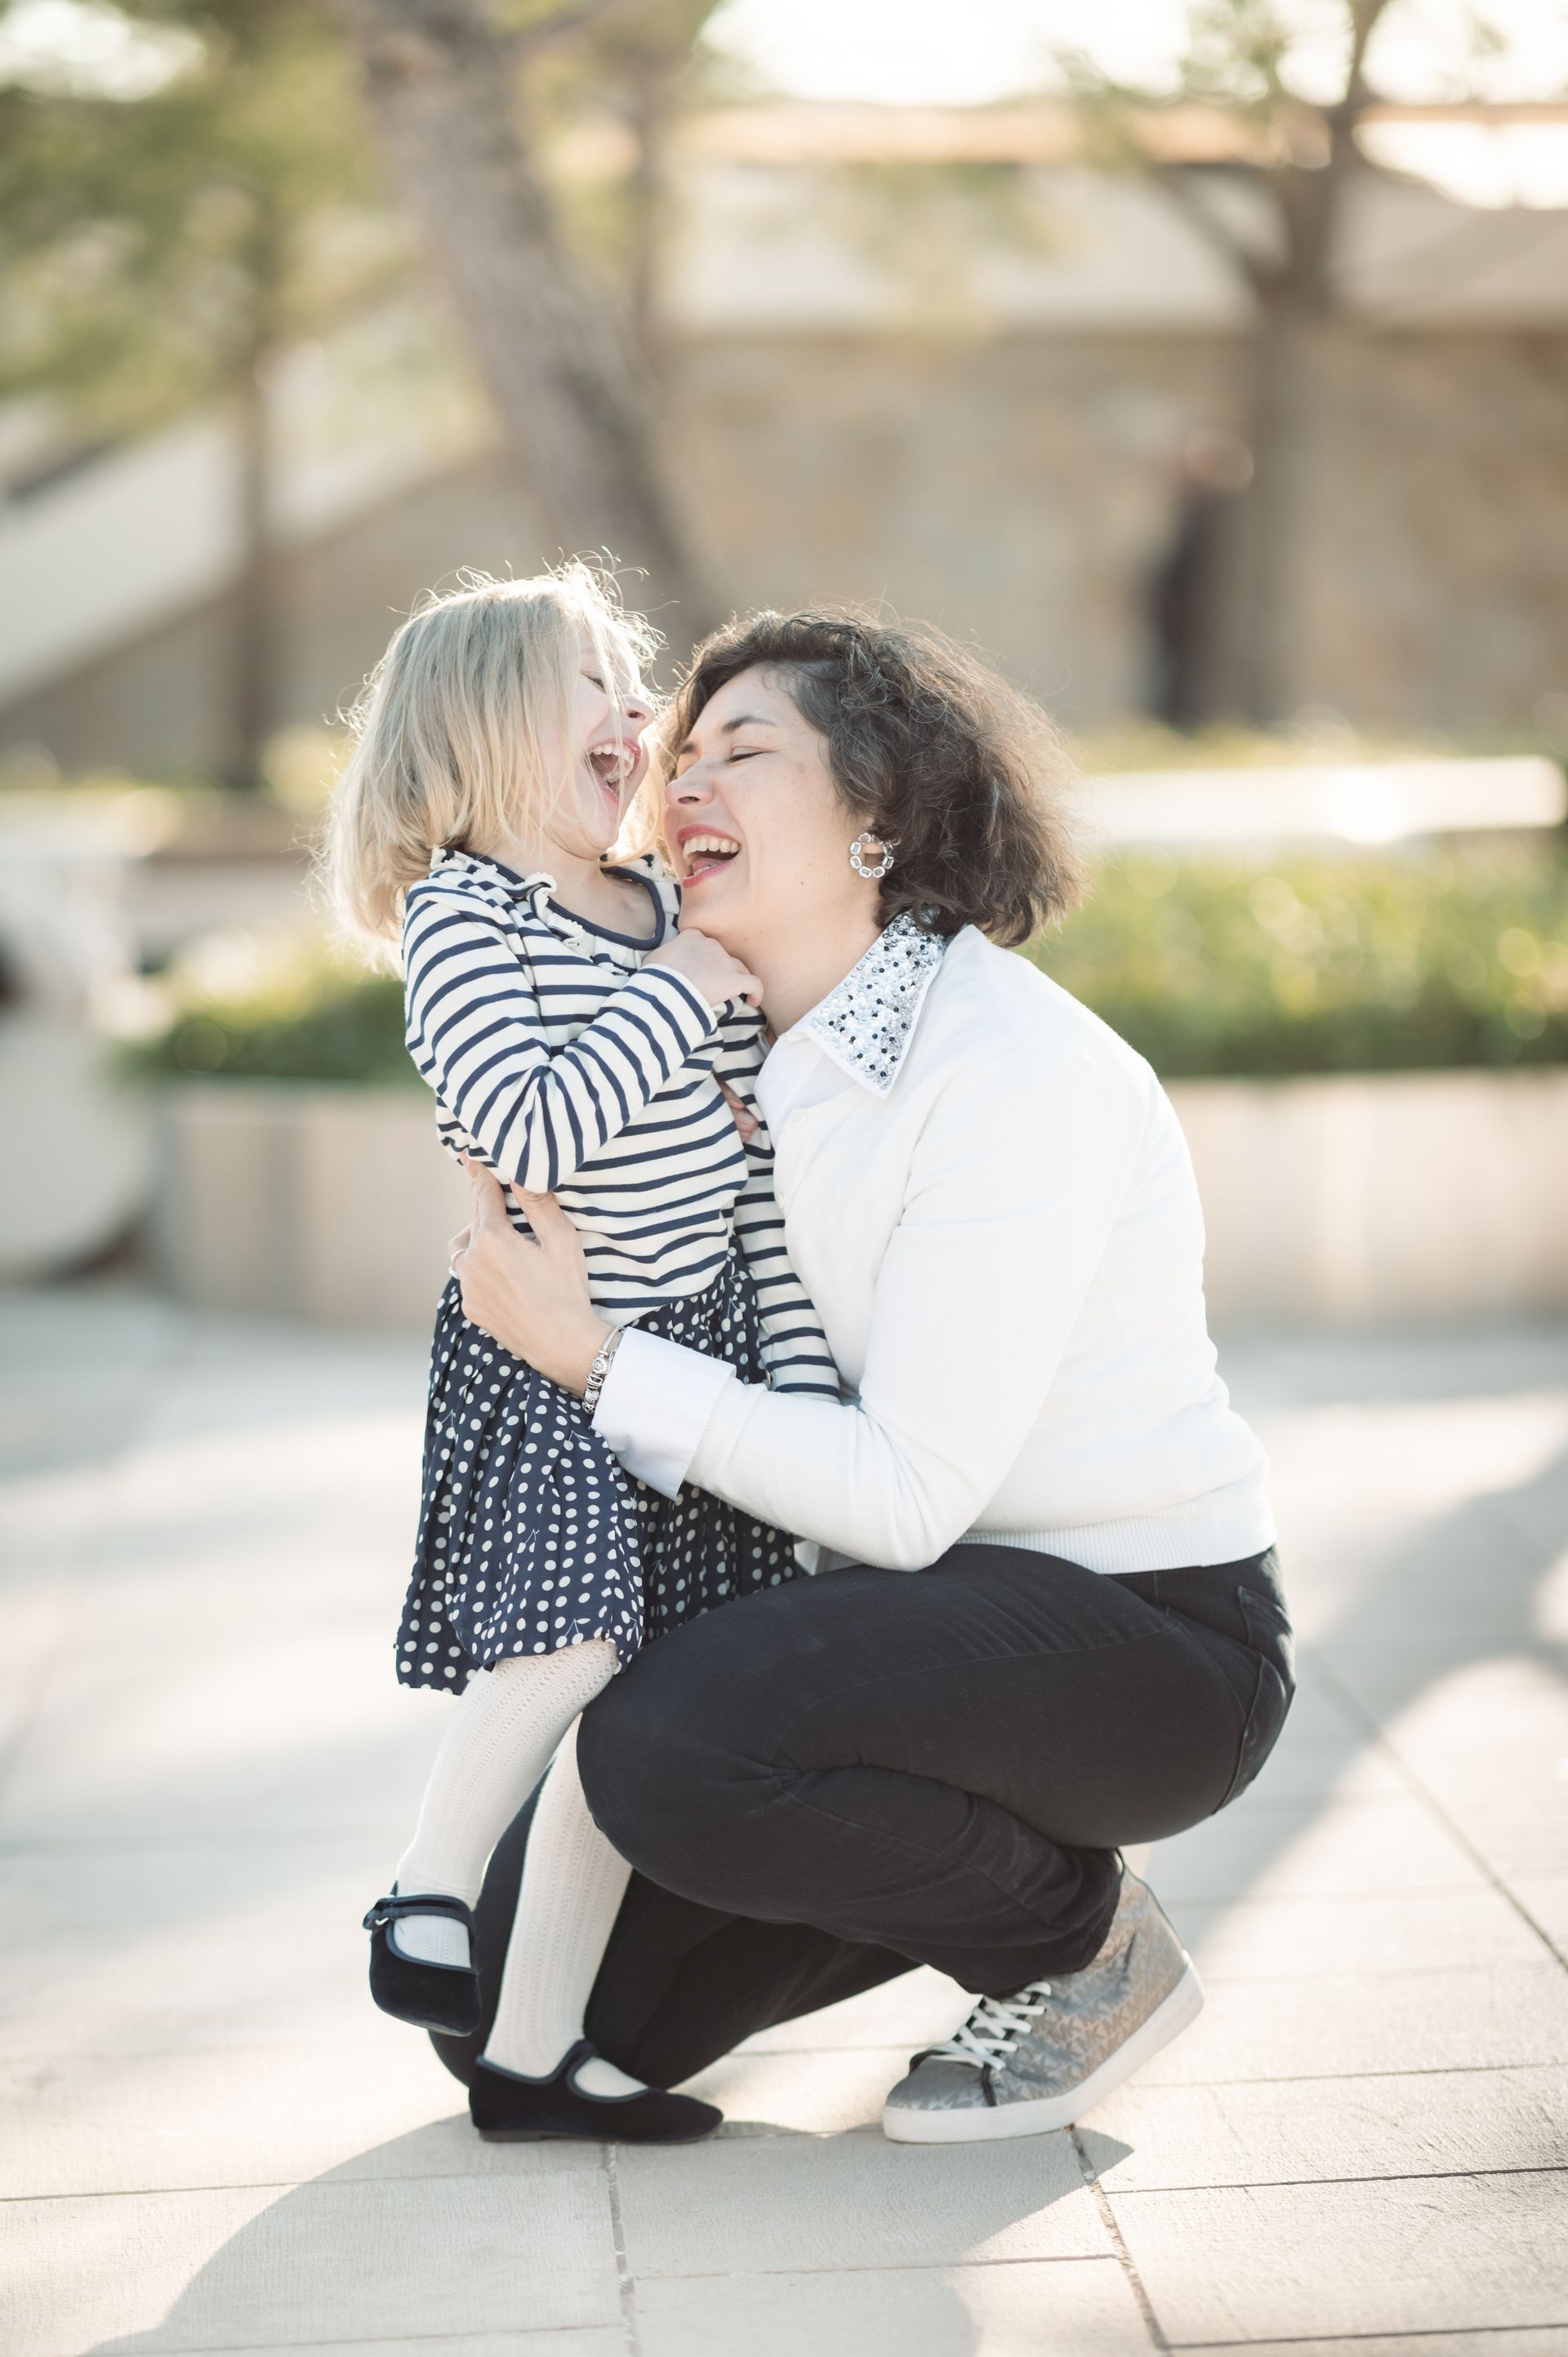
{"x":563,"y":1063}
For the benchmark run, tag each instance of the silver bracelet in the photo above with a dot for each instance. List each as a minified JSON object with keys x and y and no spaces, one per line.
{"x":600,"y":1369}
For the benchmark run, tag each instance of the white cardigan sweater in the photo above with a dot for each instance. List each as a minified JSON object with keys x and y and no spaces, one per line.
{"x":989,"y":1201}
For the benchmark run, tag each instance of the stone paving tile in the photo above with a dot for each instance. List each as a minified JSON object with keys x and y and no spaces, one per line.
{"x":1517,"y":1841}
{"x":240,"y":2115}
{"x":1544,"y":1899}
{"x":1429,"y":2123}
{"x":1436,"y":1700}
{"x":827,"y":2094}
{"x":1350,"y":2025}
{"x":758,"y":2205}
{"x":1059,"y":2308}
{"x":1504,"y":1712}
{"x":267,"y":1736}
{"x":1265,"y":1848}
{"x":352,"y":2262}
{"x":76,"y":1371}
{"x":1329,"y":1768}
{"x":160,"y":1946}
{"x":1293,"y":1939}
{"x":1418,"y":2254}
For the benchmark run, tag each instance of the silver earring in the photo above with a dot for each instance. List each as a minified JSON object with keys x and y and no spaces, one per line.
{"x":856,"y":860}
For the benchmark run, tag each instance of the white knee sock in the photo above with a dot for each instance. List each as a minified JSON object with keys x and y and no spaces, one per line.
{"x":573,"y":1884}
{"x":507,"y":1724}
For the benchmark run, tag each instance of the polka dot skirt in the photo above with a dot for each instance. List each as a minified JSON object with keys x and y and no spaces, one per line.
{"x":533,"y":1536}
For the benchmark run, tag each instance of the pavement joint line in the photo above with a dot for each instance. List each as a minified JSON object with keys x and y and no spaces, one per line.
{"x":148,"y":2345}
{"x":1333,"y":2341}
{"x":1380,"y":2177}
{"x":459,"y":2176}
{"x":905,"y":2266}
{"x":248,"y":2185}
{"x":1134,"y":2281}
{"x":625,"y":2281}
{"x":1378,"y":1739}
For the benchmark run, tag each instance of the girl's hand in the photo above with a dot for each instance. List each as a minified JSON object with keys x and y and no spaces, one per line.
{"x":746,"y":1121}
{"x":531,"y":1293}
{"x":708,"y":967}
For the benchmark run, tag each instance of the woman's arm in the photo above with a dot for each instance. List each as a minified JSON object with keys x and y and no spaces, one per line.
{"x":477,"y":1034}
{"x":1013,"y":1190}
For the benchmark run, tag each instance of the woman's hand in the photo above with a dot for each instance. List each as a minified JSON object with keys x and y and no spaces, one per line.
{"x":745,"y":1120}
{"x":530,"y":1292}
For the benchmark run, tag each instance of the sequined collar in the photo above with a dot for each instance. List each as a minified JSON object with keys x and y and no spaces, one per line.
{"x":866,"y":1024}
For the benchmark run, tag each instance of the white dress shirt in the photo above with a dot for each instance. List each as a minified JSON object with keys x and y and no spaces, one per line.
{"x":989,"y":1201}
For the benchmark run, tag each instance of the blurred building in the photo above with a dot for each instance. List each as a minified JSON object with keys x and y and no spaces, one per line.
{"x":904,"y":356}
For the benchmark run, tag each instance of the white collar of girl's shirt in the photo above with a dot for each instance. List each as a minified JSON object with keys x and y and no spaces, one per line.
{"x":538,"y":888}
{"x":866,"y":1024}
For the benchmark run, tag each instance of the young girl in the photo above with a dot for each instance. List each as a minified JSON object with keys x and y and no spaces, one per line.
{"x":575,"y":1042}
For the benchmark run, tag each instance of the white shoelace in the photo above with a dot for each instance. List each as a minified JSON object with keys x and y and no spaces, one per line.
{"x":987,"y":2037}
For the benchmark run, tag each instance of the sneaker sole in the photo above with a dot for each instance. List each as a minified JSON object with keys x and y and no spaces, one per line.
{"x":1044,"y":2112}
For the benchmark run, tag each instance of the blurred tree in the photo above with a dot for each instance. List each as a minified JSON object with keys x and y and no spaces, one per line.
{"x":168,"y":227}
{"x":447,"y":83}
{"x":641,"y":67}
{"x":164,"y":235}
{"x":1275,"y":214}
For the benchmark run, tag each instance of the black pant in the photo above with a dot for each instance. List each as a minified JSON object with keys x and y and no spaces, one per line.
{"x":825,"y":1783}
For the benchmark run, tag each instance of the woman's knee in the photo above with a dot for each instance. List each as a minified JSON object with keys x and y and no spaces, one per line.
{"x":655,"y":1764}
{"x":685,"y":1754}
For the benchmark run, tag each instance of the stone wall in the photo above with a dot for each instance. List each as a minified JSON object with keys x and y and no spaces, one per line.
{"x":1018,"y":488}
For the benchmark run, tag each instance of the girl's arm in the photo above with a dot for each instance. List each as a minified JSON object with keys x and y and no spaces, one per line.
{"x":794,"y":1347}
{"x":476,"y":1033}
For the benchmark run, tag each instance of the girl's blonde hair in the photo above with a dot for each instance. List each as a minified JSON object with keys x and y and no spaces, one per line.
{"x":463,"y":735}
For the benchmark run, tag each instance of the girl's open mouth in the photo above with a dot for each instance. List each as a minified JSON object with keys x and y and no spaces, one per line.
{"x":611,"y":767}
{"x":704,"y":854}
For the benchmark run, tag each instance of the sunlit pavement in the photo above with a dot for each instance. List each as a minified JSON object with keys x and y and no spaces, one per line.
{"x":213,"y":2142}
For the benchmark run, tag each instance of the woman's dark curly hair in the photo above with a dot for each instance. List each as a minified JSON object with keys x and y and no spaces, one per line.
{"x":931,"y":750}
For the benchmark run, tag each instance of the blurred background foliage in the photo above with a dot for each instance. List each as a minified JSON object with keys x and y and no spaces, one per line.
{"x":1325,"y":965}
{"x":287,"y":1010}
{"x":1417,"y":962}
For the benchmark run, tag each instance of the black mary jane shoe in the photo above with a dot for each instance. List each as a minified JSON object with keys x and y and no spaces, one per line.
{"x":508,"y":2108}
{"x":433,"y":1996}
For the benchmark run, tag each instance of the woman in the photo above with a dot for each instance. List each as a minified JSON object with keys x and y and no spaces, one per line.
{"x":987,"y":1195}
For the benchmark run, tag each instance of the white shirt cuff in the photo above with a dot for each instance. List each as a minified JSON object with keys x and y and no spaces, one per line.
{"x":655,"y":1404}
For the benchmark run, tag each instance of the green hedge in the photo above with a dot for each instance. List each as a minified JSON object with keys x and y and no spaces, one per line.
{"x":1364,"y":963}
{"x":310,"y":1017}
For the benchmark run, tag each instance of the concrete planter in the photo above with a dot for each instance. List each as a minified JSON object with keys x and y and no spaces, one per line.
{"x":1329,"y":1201}
{"x":306,"y":1200}
{"x":1382,"y":1195}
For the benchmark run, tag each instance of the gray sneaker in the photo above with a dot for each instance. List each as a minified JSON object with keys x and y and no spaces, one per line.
{"x":1045,"y":2056}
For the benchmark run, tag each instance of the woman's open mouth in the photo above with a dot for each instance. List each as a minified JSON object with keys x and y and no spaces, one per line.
{"x":704,"y":854}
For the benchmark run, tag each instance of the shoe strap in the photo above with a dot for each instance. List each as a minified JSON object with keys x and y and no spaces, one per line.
{"x":393,"y":1909}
